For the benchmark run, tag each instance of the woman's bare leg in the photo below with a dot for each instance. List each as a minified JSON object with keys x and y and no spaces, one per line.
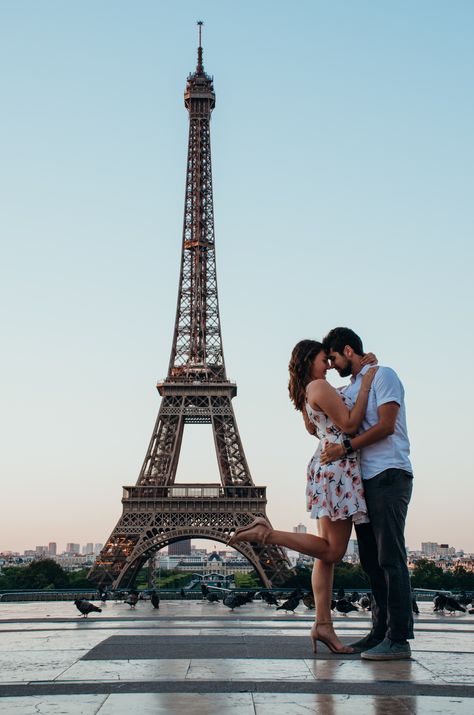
{"x":322,"y":582}
{"x":330,"y":548}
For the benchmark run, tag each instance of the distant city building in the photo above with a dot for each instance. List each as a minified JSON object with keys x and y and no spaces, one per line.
{"x":203,"y":565}
{"x":352,"y":547}
{"x":180,"y":548}
{"x":73,"y":561}
{"x":199,"y":552}
{"x":88,"y":548}
{"x":41,"y":550}
{"x":429,"y":548}
{"x":72,"y":548}
{"x":432,"y":550}
{"x":300,"y":529}
{"x":446,"y":550}
{"x":52,"y":548}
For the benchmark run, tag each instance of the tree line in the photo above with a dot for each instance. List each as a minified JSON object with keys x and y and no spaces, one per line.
{"x":46,"y":574}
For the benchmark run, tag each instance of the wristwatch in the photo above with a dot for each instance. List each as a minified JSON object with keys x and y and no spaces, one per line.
{"x":346,"y":443}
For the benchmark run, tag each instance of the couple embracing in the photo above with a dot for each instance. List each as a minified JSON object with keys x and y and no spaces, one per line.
{"x":360,"y":474}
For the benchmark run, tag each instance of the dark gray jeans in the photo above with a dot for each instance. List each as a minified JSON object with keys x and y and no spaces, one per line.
{"x":383,"y":555}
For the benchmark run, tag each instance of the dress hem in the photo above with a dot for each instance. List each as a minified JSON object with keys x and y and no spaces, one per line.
{"x":357,"y":517}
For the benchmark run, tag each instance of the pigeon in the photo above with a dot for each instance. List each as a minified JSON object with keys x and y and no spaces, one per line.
{"x":290,"y":604}
{"x":102,"y":595}
{"x":132,"y":599}
{"x":204,"y":590}
{"x":212,"y":597}
{"x":247,"y":596}
{"x":268,"y":598}
{"x":182,"y":593}
{"x":439,"y":602}
{"x":452,"y":605}
{"x":464,"y":599}
{"x":364,"y":602}
{"x":232,"y":600}
{"x":344,"y":606}
{"x":155,"y":599}
{"x":341,"y":593}
{"x":414,"y":606}
{"x":354,"y":597}
{"x":308,"y":600}
{"x":471,"y":611}
{"x":86,"y":607}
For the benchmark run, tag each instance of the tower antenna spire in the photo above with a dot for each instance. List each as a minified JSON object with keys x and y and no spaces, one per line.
{"x":199,"y":67}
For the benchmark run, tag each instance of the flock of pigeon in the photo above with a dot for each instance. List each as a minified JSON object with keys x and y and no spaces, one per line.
{"x":131,"y":599}
{"x":445,"y":602}
{"x":344,"y":604}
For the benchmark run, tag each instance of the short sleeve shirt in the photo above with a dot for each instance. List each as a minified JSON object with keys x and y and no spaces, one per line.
{"x":393,"y":451}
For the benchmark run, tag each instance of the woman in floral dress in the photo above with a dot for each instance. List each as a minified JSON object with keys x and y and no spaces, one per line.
{"x":334,"y":491}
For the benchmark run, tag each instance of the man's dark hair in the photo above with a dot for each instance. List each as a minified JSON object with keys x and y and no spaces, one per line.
{"x":338,"y":338}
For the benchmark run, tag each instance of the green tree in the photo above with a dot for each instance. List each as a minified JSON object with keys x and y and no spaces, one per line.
{"x":350,"y":576}
{"x":247,"y":580}
{"x":78,"y":579}
{"x":41,"y":574}
{"x":427,"y":575}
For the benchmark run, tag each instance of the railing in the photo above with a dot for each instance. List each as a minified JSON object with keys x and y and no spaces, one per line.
{"x":49,"y":595}
{"x":12,"y":596}
{"x":195,"y":491}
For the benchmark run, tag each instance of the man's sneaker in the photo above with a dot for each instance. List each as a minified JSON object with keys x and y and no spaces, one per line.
{"x":388,"y":650}
{"x":365,"y":643}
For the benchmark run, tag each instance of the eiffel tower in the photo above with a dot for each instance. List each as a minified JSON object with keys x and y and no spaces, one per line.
{"x":157,"y":511}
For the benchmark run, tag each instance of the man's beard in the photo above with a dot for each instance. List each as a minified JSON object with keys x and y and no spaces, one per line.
{"x":346,"y":370}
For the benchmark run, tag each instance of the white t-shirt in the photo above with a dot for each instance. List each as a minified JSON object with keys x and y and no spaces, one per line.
{"x":392,"y":451}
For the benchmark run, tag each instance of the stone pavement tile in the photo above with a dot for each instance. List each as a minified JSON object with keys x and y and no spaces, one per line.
{"x":451,"y":667}
{"x":371,"y":671}
{"x":443,"y":642}
{"x":217,"y":646}
{"x":131,"y":670}
{"x":179,"y":704}
{"x":52,"y":704}
{"x":54,"y":640}
{"x":25,"y":666}
{"x":437,"y":626}
{"x":304,"y":704}
{"x":231,"y":669}
{"x":427,"y":705}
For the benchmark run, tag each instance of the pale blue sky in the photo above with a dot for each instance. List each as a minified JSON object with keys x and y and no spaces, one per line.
{"x":343,"y":181}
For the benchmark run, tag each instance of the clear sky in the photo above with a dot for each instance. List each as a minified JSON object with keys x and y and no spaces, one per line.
{"x":343,"y":185}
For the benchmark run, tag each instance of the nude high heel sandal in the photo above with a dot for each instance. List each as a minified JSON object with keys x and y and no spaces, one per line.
{"x":315,"y":637}
{"x":259,"y":521}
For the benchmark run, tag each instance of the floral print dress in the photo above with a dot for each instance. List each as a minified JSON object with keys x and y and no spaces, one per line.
{"x":335,"y":489}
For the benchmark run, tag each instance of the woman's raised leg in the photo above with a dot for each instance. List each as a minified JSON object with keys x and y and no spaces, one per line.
{"x":330,"y":547}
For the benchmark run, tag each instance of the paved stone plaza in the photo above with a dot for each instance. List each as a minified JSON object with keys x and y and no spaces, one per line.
{"x":197,"y":657}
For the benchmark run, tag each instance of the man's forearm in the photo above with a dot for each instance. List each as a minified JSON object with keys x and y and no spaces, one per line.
{"x":372,"y":435}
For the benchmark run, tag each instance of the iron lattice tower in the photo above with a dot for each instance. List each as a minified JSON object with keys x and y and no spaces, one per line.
{"x":156,"y":511}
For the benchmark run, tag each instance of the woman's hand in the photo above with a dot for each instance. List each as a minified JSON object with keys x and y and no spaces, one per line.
{"x":368,"y":378}
{"x":369,"y":359}
{"x":331,"y":452}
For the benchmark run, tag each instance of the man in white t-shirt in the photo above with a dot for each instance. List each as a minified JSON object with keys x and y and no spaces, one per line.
{"x":388,"y":479}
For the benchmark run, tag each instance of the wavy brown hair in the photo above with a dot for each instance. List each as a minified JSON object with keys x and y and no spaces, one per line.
{"x":301,"y":361}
